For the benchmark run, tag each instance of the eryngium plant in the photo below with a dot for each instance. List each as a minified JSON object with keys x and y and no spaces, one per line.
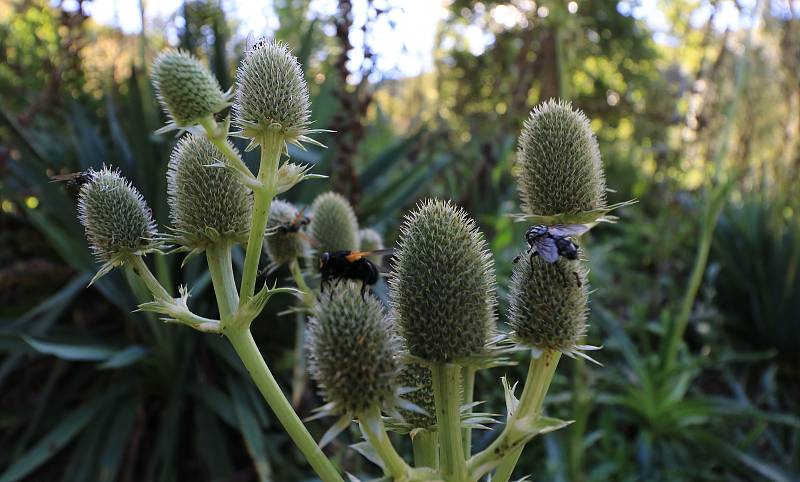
{"x":186,"y":89}
{"x":271,"y":94}
{"x":418,"y":378}
{"x":549,"y":304}
{"x":559,"y":162}
{"x":282,"y":244}
{"x":207,"y":202}
{"x":352,"y":351}
{"x":118,"y":223}
{"x":334,"y":225}
{"x":442,"y":284}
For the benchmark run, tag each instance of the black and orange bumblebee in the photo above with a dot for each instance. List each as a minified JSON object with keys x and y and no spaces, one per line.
{"x":354,"y":265}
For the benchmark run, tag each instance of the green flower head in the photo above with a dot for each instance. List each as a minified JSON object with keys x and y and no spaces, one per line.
{"x":442,"y":285}
{"x":186,"y":89}
{"x":207,"y":202}
{"x":334,"y":225}
{"x":559,"y":162}
{"x":284,"y":242}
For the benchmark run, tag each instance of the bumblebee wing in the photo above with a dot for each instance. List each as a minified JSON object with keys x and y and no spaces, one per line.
{"x":568,"y":229}
{"x":356,"y":255}
{"x":547,"y":249}
{"x":64,"y":177}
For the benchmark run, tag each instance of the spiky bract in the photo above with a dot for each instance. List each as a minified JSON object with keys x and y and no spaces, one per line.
{"x":207,"y":202}
{"x":117,"y":220}
{"x":559,"y":162}
{"x":352,"y":350}
{"x":271,"y":93}
{"x":334,"y":225}
{"x":187,"y":90}
{"x":549,"y":304}
{"x":442,"y":285}
{"x":418,"y":377}
{"x":282,"y":245}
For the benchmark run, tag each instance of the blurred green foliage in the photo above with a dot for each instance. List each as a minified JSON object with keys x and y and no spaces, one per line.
{"x":91,"y":391}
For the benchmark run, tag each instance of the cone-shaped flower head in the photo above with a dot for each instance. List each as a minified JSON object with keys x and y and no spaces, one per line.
{"x":442,"y":285}
{"x":334,"y":225}
{"x":284,"y":242}
{"x":549,"y":304}
{"x":117,"y":220}
{"x":186,"y":89}
{"x":559,"y":162}
{"x":207,"y":202}
{"x":418,"y":376}
{"x":271,"y":93}
{"x":352,"y":351}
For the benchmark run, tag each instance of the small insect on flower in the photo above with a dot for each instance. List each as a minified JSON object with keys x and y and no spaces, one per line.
{"x":353,"y":265}
{"x":73,"y":181}
{"x":553,"y":242}
{"x":300,"y":221}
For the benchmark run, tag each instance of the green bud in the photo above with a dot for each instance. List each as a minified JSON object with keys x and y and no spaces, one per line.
{"x":418,"y":376}
{"x":352,"y":351}
{"x":549,"y":303}
{"x":207,"y":202}
{"x":186,"y":89}
{"x":334,"y":225}
{"x":283,"y":246}
{"x":117,"y":220}
{"x":559,"y":162}
{"x":442,"y":285}
{"x":271,"y":93}
{"x":370,"y":240}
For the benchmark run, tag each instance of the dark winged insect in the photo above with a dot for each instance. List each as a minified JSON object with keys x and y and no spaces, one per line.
{"x":553,"y":242}
{"x":295,"y":225}
{"x":73,"y":181}
{"x":353,"y":265}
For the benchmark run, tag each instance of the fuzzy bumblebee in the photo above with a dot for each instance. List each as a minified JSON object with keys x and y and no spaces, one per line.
{"x":334,"y":225}
{"x":271,"y":93}
{"x":352,"y":351}
{"x":117,"y":220}
{"x":207,"y":202}
{"x":548,"y":304}
{"x":442,"y":284}
{"x":559,"y":167}
{"x":186,"y":89}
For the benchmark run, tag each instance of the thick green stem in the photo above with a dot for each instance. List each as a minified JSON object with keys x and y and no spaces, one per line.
{"x":375,"y":432}
{"x":271,"y":149}
{"x":245,"y":346}
{"x":446,"y":384}
{"x":507,"y":448}
{"x":469,"y":396}
{"x":426,"y":449}
{"x":156,"y":288}
{"x":221,"y":268}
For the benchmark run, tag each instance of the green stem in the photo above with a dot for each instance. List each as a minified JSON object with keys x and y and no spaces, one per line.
{"x":220,"y":140}
{"x":469,"y":396}
{"x":156,"y":288}
{"x":271,"y":149}
{"x":300,"y":281}
{"x":426,"y":449}
{"x":446,"y":381}
{"x":299,"y":370}
{"x":508,"y":446}
{"x":375,"y":432}
{"x":221,"y":268}
{"x":245,"y":346}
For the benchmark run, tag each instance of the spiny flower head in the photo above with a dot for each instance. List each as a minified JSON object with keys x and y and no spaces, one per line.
{"x":187,"y":90}
{"x":271,"y":93}
{"x":370,"y":240}
{"x":283,"y":243}
{"x":442,"y":284}
{"x":559,"y":162}
{"x":352,"y":351}
{"x":207,"y":202}
{"x":117,"y":220}
{"x":334,"y":225}
{"x":549,"y":304}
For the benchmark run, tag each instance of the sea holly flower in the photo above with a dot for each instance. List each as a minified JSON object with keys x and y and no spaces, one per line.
{"x":334,"y":226}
